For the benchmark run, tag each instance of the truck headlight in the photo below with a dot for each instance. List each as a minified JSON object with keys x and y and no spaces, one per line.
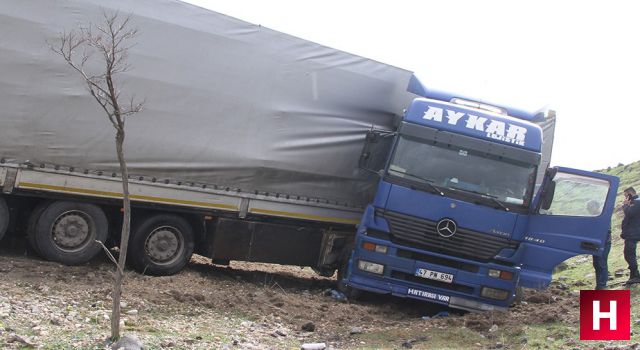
{"x":503,"y":275}
{"x":371,"y":267}
{"x":493,"y":293}
{"x":378,"y":248}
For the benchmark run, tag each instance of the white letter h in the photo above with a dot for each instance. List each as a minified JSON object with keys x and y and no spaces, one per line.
{"x":598,"y":315}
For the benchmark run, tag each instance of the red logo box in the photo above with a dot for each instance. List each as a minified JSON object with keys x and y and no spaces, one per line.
{"x":605,"y":315}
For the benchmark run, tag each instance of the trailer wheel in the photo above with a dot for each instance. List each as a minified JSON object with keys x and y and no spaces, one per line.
{"x":161,"y":245}
{"x":66,"y":232}
{"x":4,"y":217}
{"x":31,"y":225}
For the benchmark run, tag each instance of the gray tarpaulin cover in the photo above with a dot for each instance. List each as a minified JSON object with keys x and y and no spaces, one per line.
{"x":227,"y":102}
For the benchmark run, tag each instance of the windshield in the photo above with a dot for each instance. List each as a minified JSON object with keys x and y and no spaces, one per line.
{"x":452,"y":167}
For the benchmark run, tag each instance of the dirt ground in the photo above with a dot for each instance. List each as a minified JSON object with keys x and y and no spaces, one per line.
{"x":252,"y":306}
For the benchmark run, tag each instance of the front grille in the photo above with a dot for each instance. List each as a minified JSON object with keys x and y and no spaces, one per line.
{"x":427,"y":282}
{"x":420,"y":233}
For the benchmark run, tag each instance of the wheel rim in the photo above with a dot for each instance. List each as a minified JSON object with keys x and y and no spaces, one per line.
{"x":72,"y":231}
{"x":164,"y":245}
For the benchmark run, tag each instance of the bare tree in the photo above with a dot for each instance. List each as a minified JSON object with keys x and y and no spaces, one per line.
{"x":111,"y":41}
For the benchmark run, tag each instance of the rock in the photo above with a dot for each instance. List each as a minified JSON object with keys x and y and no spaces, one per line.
{"x":498,"y":345}
{"x":619,"y":273}
{"x":589,"y":275}
{"x":168,"y":344}
{"x":128,"y":342}
{"x":407,"y":344}
{"x":132,"y":312}
{"x":355,"y":330}
{"x":309,"y":327}
{"x":563,"y":286}
{"x":123,"y":304}
{"x":281,"y":333}
{"x":337,"y":295}
{"x":637,"y":322}
{"x":14,"y":338}
{"x":493,"y":328}
{"x":549,"y":339}
{"x":313,"y":346}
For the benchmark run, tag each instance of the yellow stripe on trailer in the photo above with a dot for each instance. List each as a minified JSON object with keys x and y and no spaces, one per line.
{"x":117,"y":195}
{"x":303,"y":216}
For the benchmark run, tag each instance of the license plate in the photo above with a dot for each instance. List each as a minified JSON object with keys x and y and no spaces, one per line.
{"x":435,"y":275}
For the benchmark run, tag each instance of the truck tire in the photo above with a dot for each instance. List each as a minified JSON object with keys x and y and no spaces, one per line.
{"x":161,"y":245}
{"x":4,"y":217}
{"x":66,"y":232}
{"x":31,"y":225}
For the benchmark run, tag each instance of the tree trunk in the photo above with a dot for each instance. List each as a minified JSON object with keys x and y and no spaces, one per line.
{"x":124,"y":237}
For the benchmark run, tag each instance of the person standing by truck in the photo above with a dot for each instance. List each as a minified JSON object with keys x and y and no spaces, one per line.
{"x":631,"y":232}
{"x":600,"y":262}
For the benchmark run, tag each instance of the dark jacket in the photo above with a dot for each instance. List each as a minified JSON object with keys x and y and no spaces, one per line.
{"x":631,"y":221}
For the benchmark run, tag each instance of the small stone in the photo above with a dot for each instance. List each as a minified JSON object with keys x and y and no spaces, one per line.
{"x":551,"y":339}
{"x":637,"y":322}
{"x":563,"y":286}
{"x":168,"y":344}
{"x":477,"y":344}
{"x":407,"y":344}
{"x":493,"y":328}
{"x":14,"y":338}
{"x":355,"y":330}
{"x":309,"y":327}
{"x":498,"y":345}
{"x":313,"y":346}
{"x":123,"y":304}
{"x":274,"y":334}
{"x":619,"y":273}
{"x":132,"y":312}
{"x":281,"y":333}
{"x":128,"y":342}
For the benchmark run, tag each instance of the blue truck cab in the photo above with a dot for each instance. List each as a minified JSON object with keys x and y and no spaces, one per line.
{"x":457,"y":218}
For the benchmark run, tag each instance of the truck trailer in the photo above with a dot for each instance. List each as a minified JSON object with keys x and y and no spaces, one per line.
{"x":258,"y":146}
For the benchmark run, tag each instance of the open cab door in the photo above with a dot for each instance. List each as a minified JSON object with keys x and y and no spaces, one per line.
{"x":571,"y":216}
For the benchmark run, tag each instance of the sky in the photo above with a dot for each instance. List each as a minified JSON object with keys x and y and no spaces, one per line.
{"x":580,"y":58}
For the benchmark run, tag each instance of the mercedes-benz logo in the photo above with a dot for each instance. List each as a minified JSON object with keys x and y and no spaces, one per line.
{"x":446,"y":228}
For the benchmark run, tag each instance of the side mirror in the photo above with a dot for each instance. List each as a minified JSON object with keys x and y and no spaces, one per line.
{"x":364,"y":160}
{"x":377,"y":145}
{"x":547,"y":196}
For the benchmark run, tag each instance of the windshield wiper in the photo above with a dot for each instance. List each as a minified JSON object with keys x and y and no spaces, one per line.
{"x":484,"y":195}
{"x":427,"y":182}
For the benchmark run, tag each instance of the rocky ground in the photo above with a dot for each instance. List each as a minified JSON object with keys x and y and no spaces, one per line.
{"x":257,"y":306}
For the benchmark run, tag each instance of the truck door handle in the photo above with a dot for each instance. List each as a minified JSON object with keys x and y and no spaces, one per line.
{"x":589,"y":246}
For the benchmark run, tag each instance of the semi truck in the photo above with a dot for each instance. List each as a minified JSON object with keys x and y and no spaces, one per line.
{"x":259,"y":146}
